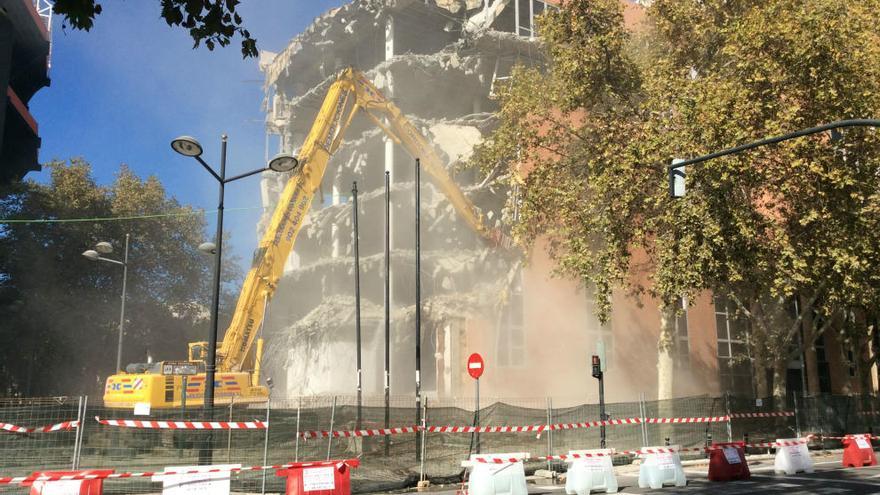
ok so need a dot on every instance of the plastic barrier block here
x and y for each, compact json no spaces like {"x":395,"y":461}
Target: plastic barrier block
{"x":858,"y":451}
{"x":213,"y":479}
{"x":661,"y":468}
{"x":586,"y":474}
{"x":727,"y":461}
{"x":507,"y":478}
{"x":78,"y":487}
{"x":319,"y":478}
{"x":792,"y":459}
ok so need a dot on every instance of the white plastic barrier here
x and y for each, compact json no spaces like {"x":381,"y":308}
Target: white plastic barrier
{"x":215,"y":483}
{"x":507,"y":478}
{"x":661,"y":466}
{"x":594,"y":471}
{"x":792,"y":457}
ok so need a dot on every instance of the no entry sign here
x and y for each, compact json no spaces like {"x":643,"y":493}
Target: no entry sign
{"x":475,"y":366}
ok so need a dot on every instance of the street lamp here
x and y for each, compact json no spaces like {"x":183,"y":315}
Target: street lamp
{"x":675,"y":171}
{"x":95,"y":255}
{"x":189,"y":146}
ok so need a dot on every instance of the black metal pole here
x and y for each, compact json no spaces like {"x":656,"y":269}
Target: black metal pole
{"x":387,"y":307}
{"x":777,"y":139}
{"x":418,"y":206}
{"x":477,"y":415}
{"x":602,"y":409}
{"x":206,"y":453}
{"x":357,"y":303}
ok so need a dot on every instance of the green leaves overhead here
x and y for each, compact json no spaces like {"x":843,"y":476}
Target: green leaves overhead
{"x":586,"y":141}
{"x":212,"y":22}
{"x":61,"y":311}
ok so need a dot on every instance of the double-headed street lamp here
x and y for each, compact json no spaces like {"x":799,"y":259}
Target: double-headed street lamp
{"x":188,"y":146}
{"x":95,"y":255}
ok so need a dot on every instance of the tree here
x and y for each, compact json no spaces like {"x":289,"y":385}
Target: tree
{"x":214,"y":22}
{"x":586,"y":143}
{"x":61,"y":311}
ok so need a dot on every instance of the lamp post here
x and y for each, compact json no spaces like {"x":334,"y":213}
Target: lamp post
{"x":95,"y":255}
{"x":188,"y":146}
{"x":675,"y":171}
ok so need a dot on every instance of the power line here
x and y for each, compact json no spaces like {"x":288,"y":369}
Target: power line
{"x":115,"y":219}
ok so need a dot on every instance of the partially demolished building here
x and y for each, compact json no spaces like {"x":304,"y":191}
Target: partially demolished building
{"x":441,"y":61}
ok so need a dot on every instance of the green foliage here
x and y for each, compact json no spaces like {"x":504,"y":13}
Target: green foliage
{"x":586,"y":143}
{"x":61,"y":311}
{"x":214,"y":22}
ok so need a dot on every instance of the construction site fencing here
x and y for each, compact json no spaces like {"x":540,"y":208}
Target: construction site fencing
{"x":300,"y":429}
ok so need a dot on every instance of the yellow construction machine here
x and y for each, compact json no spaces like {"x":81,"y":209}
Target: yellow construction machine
{"x":161,"y":385}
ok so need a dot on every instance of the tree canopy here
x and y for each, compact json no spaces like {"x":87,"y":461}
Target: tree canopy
{"x":212,"y":22}
{"x":585,"y":143}
{"x":61,"y":311}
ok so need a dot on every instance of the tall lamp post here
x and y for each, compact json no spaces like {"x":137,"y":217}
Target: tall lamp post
{"x":188,"y":146}
{"x":676,"y":171}
{"x":95,"y":255}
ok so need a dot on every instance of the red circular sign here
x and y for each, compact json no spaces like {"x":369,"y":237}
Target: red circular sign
{"x":475,"y":366}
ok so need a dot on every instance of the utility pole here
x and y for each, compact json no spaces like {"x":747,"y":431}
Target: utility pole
{"x":418,"y":204}
{"x":387,"y":307}
{"x":600,"y":375}
{"x":357,"y":303}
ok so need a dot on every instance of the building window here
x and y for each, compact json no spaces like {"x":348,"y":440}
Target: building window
{"x":510,"y":342}
{"x":822,"y":361}
{"x":682,"y":344}
{"x":732,"y":331}
{"x":734,"y":361}
{"x":525,"y":13}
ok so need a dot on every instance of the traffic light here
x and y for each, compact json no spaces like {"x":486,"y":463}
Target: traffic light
{"x":597,"y":367}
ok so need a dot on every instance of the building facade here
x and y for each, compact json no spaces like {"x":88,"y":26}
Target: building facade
{"x":440,"y":61}
{"x":25,"y":37}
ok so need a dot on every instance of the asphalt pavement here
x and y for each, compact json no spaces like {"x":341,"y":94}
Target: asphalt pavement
{"x":829,"y":478}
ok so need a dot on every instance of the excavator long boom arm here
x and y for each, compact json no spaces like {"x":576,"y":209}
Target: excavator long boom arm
{"x":350,"y":92}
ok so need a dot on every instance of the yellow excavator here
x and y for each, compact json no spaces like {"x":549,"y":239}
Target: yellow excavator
{"x":170,"y":384}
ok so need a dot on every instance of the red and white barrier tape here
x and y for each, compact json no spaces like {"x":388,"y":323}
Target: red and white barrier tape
{"x":150,"y":474}
{"x":762,"y":414}
{"x":359,"y":433}
{"x":707,"y":419}
{"x":849,"y":436}
{"x":486,"y":429}
{"x":184,"y":425}
{"x":65,"y":426}
{"x":593,"y":424}
{"x":506,"y":429}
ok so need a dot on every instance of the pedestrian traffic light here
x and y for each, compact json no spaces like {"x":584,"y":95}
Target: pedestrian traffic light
{"x":597,"y":367}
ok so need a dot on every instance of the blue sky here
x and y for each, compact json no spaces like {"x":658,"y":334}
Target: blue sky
{"x":122,"y":91}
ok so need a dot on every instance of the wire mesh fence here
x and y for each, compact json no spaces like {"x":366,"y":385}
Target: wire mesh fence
{"x":296,"y":429}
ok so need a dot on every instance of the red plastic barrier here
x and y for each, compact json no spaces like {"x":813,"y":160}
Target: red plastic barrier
{"x":319,"y":478}
{"x":85,"y":487}
{"x":857,"y":451}
{"x":727,"y":461}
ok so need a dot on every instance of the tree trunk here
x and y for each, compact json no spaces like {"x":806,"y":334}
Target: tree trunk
{"x":665,"y":359}
{"x":811,"y":362}
{"x":762,"y":389}
{"x":780,"y":370}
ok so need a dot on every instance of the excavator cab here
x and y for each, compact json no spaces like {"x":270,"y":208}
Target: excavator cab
{"x":198,"y":351}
